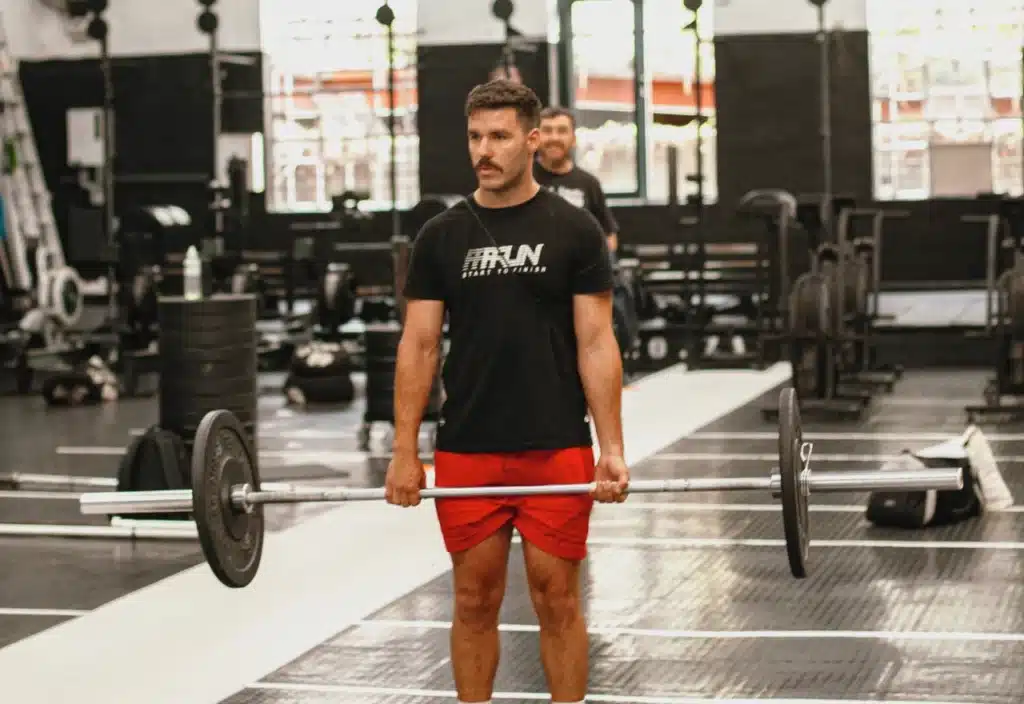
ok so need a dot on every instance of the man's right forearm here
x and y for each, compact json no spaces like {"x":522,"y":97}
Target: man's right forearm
{"x":415,"y":369}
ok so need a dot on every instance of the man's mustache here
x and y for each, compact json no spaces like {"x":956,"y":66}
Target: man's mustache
{"x":486,"y":164}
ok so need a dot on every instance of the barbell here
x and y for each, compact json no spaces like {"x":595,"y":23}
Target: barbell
{"x":226,"y":500}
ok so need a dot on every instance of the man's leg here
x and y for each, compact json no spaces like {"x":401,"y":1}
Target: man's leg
{"x":555,"y":590}
{"x":480,"y":574}
{"x":477,"y":532}
{"x":554,"y":530}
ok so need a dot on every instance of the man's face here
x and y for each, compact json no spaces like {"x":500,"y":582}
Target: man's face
{"x":500,"y":150}
{"x":557,"y":138}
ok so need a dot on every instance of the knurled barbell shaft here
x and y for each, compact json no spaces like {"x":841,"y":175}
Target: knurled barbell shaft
{"x":180,"y":501}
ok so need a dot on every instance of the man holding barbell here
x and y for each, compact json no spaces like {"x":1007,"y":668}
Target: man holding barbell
{"x":526,"y":281}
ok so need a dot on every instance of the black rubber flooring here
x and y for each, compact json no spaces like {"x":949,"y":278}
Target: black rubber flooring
{"x":693,"y":598}
{"x":688,"y":597}
{"x":44,"y":577}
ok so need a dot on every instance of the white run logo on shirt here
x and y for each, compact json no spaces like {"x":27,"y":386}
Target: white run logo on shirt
{"x":484,"y":261}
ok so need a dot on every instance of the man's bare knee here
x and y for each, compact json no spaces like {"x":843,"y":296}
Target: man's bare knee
{"x":554,"y":589}
{"x":477,"y":605}
{"x":557,"y":605}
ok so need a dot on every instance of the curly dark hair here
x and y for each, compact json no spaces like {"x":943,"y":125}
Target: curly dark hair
{"x":502,"y":93}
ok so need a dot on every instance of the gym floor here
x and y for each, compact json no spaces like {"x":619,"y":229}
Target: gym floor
{"x":689,"y":597}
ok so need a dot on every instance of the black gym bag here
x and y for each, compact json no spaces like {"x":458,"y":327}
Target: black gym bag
{"x":155,"y":461}
{"x":88,"y":383}
{"x":921,"y":509}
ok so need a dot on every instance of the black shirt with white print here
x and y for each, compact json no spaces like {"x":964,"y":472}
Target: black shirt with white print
{"x":507,"y":277}
{"x":582,"y":189}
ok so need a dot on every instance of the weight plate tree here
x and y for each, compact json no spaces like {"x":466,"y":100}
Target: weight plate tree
{"x":227,"y":500}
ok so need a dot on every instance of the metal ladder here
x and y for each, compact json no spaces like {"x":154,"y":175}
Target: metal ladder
{"x":31,"y":229}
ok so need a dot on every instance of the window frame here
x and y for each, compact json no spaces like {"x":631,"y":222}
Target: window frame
{"x":281,"y":72}
{"x":567,"y":82}
{"x":902,"y":50}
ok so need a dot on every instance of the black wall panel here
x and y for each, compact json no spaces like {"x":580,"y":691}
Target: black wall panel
{"x":446,"y":75}
{"x":163,"y":123}
{"x":769,"y":114}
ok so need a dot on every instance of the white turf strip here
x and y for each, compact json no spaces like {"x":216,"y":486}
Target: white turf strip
{"x":673,"y":634}
{"x":449,"y":695}
{"x":224,"y":640}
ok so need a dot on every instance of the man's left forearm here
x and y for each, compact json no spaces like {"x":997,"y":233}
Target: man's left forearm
{"x":600,"y":367}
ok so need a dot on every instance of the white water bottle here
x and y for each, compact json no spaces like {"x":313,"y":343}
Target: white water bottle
{"x":193,"y":275}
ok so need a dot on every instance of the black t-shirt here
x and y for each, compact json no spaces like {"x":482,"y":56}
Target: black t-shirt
{"x":510,"y":378}
{"x":582,"y":189}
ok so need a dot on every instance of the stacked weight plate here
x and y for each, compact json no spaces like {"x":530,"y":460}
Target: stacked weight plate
{"x":381,"y":352}
{"x":208,"y":361}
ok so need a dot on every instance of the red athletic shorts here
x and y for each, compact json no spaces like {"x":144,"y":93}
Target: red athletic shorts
{"x":556,"y":524}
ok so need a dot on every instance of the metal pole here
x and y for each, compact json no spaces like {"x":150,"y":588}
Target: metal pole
{"x":107,"y":177}
{"x":16,"y":480}
{"x":242,"y":497}
{"x":19,"y":479}
{"x":396,"y":223}
{"x":700,"y":234}
{"x":218,"y":103}
{"x":826,"y":120}
{"x":126,"y":532}
{"x":698,"y":80}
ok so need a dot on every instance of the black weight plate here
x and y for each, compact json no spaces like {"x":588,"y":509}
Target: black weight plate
{"x":865,"y":282}
{"x":218,"y":354}
{"x":226,"y":306}
{"x":795,"y":515}
{"x":232,"y":540}
{"x":239,"y":338}
{"x":196,"y":408}
{"x":858,"y":276}
{"x":810,"y":305}
{"x":177,"y":323}
{"x":188,"y":435}
{"x":219,"y":333}
{"x":1015,"y":302}
{"x":244,"y":367}
{"x":242,"y":400}
{"x":799,"y":307}
{"x":207,"y":387}
{"x":176,"y":418}
{"x":229,"y":393}
{"x":233,"y":354}
{"x":382,"y":340}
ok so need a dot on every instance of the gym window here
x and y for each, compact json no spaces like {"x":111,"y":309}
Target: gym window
{"x":946,"y":94}
{"x":326,"y":102}
{"x":627,"y":70}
